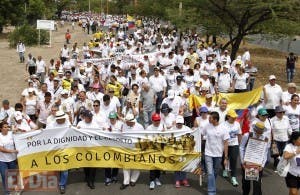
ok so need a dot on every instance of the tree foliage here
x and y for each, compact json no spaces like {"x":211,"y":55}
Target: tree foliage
{"x":12,"y":12}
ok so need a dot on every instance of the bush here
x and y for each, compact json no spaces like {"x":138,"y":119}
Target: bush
{"x":29,"y":35}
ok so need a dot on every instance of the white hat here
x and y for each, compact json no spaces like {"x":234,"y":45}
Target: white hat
{"x":18,"y":115}
{"x":271,"y":77}
{"x":60,"y":71}
{"x":210,"y":58}
{"x":208,"y":95}
{"x":171,"y":94}
{"x":130,"y":117}
{"x":65,"y":91}
{"x":60,"y":115}
{"x":204,"y":73}
{"x":226,"y":66}
{"x":30,"y":90}
{"x":179,"y":119}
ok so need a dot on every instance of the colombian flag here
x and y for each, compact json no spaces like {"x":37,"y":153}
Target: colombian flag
{"x":131,"y":22}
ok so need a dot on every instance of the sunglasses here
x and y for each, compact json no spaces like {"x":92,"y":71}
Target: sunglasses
{"x":95,"y":105}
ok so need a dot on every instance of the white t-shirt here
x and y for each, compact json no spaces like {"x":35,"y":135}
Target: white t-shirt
{"x":92,"y":124}
{"x":234,"y":130}
{"x":7,"y":142}
{"x":281,"y":128}
{"x":215,"y":137}
{"x":175,"y":104}
{"x":201,"y":124}
{"x":295,"y":161}
{"x":160,"y":127}
{"x":118,"y":127}
{"x":157,"y":83}
{"x":40,"y":66}
{"x":274,"y":94}
{"x":224,"y":81}
{"x":293,"y":115}
{"x":241,"y":81}
{"x":168,"y":120}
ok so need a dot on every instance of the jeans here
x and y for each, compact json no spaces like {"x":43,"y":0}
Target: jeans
{"x":41,"y":76}
{"x":159,"y":99}
{"x":147,"y":118}
{"x":4,"y":166}
{"x":280,"y":146}
{"x":180,"y":175}
{"x":290,"y":72}
{"x":63,"y":178}
{"x":22,"y":58}
{"x":154,"y":174}
{"x":212,"y":167}
{"x":251,"y":84}
{"x":246,"y":185}
{"x":111,"y":172}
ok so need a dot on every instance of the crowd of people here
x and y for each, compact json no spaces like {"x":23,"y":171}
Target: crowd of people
{"x":117,"y":94}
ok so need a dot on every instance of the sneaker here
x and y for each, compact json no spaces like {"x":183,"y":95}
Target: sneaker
{"x":157,"y":182}
{"x":177,"y":184}
{"x":225,"y":173}
{"x":107,"y":181}
{"x":114,"y":180}
{"x":124,"y":186}
{"x":152,"y":185}
{"x":234,"y":182}
{"x":186,"y":183}
{"x":62,"y":189}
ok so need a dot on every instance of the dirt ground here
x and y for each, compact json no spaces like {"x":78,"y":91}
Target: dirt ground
{"x":13,"y":75}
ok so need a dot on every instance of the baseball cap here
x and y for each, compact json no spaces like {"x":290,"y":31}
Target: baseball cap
{"x":155,"y":117}
{"x":203,"y":109}
{"x":171,"y":94}
{"x":87,"y":113}
{"x":179,"y":119}
{"x":271,"y":77}
{"x":291,"y":85}
{"x":232,"y":114}
{"x":112,"y":115}
{"x":259,"y":126}
{"x":262,"y":112}
{"x":129,"y":118}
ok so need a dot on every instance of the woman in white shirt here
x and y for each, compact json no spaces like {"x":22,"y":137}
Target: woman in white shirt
{"x":240,"y":81}
{"x":292,"y":153}
{"x":30,"y":103}
{"x":281,"y":129}
{"x":292,"y":111}
{"x":8,"y":153}
{"x":235,"y":134}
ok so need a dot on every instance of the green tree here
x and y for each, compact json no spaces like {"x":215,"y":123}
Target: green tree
{"x":12,"y":12}
{"x":36,"y":10}
{"x":240,"y":18}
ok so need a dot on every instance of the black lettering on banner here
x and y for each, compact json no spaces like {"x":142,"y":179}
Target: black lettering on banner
{"x":151,"y":158}
{"x":97,"y":157}
{"x":46,"y":159}
{"x":127,"y":158}
{"x":34,"y":164}
{"x":134,"y":158}
{"x":117,"y":156}
{"x":172,"y":159}
{"x":106,"y":156}
{"x":162,"y":159}
{"x":142,"y":158}
{"x":56,"y":159}
{"x":89,"y":156}
{"x":66,"y":159}
{"x":77,"y":156}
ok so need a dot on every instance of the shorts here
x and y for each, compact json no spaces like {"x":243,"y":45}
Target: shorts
{"x":292,"y":181}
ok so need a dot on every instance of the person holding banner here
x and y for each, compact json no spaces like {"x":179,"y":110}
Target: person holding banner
{"x":258,"y":133}
{"x":88,"y":122}
{"x":180,"y":176}
{"x":113,"y":125}
{"x":130,"y":176}
{"x":8,"y":153}
{"x":156,"y":125}
{"x":61,"y":121}
{"x":216,"y":144}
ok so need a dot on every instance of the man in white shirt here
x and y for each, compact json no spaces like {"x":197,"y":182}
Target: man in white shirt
{"x":130,"y":176}
{"x":224,"y":80}
{"x":175,"y":102}
{"x":41,"y":68}
{"x":159,"y":85}
{"x":286,"y":95}
{"x":272,"y":96}
{"x":216,"y":144}
{"x":21,"y":50}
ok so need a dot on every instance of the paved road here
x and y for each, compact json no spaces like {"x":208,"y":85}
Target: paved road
{"x":272,"y":185}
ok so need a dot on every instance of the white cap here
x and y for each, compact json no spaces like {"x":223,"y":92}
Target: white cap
{"x":30,"y":90}
{"x":210,"y":58}
{"x":60,"y":115}
{"x":179,"y":119}
{"x":18,"y":115}
{"x":130,"y":118}
{"x":65,"y":91}
{"x":204,"y":73}
{"x":271,"y":77}
{"x":226,"y":66}
{"x":171,"y":94}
